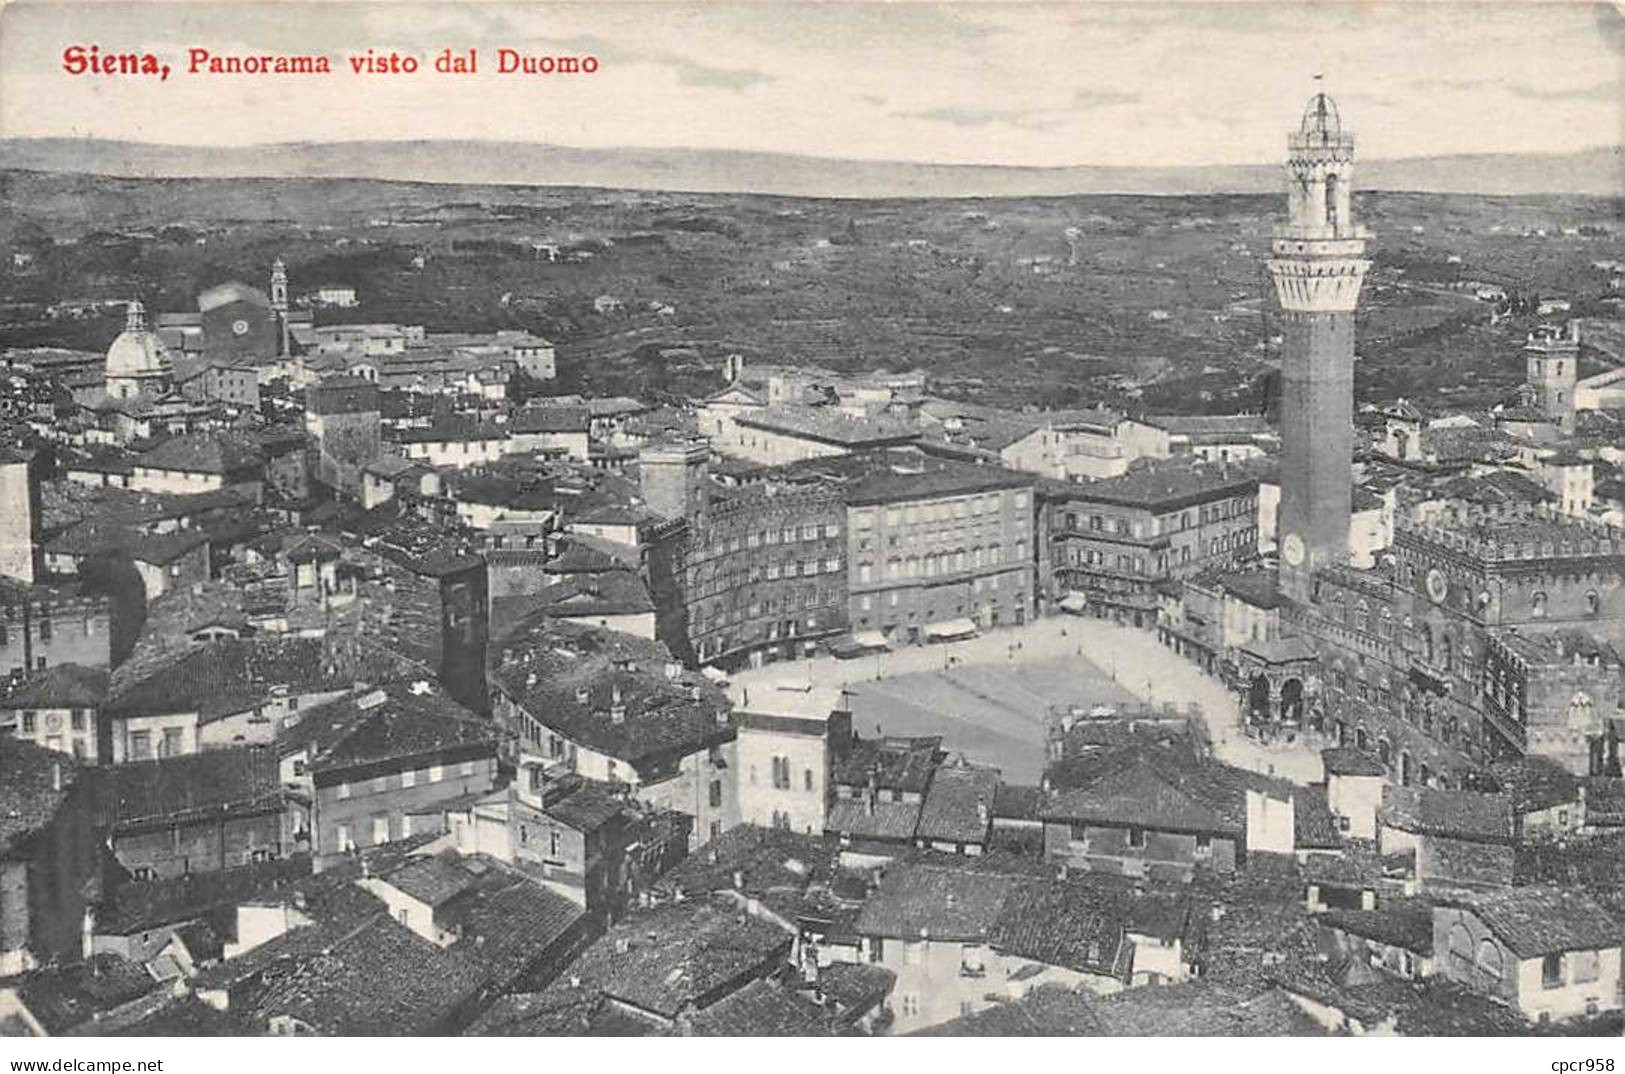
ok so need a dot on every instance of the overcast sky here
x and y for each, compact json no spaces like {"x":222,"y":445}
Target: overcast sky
{"x":1005,"y":83}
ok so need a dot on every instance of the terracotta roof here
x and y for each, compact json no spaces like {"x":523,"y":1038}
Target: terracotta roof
{"x":918,"y":902}
{"x":885,"y":820}
{"x":1046,"y":1011}
{"x":890,"y":763}
{"x":61,"y":998}
{"x":223,"y":678}
{"x":228,"y":292}
{"x":1406,"y":923}
{"x":1536,"y":921}
{"x":432,"y":879}
{"x":1347,"y":761}
{"x":1067,"y":925}
{"x":676,"y":958}
{"x":764,"y":859}
{"x":395,"y":722}
{"x":208,"y":453}
{"x":958,"y":806}
{"x":1462,"y":814}
{"x":1163,"y":787}
{"x":1536,"y":783}
{"x":60,"y":686}
{"x":550,"y":419}
{"x":215,"y":783}
{"x":762,"y":1009}
{"x":34,"y":782}
{"x":656,"y":719}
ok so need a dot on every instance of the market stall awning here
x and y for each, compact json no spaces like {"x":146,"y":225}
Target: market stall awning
{"x":950,"y":628}
{"x":1074,"y":602}
{"x":871,"y":639}
{"x":848,"y":646}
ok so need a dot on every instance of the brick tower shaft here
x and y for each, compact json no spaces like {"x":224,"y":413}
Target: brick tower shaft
{"x":1317,"y":267}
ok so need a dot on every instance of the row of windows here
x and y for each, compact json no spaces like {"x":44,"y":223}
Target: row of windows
{"x":783,"y":776}
{"x":936,"y":511}
{"x":988,"y":584}
{"x":78,"y":718}
{"x":1163,"y":524}
{"x":408,"y":778}
{"x":764,"y":537}
{"x":933,"y":564}
{"x":771,"y":572}
{"x":44,"y":630}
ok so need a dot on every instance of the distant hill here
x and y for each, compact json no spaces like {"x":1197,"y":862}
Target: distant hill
{"x":1599,"y":172}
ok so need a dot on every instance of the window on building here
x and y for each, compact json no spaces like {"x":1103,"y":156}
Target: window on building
{"x":408,"y":778}
{"x":807,"y":779}
{"x":1489,"y":960}
{"x":1586,"y":966}
{"x":171,"y":744}
{"x":1537,"y":604}
{"x":140,"y":745}
{"x":1551,"y":970}
{"x":1136,"y":838}
{"x":29,"y":723}
{"x":553,"y":843}
{"x":436,"y":773}
{"x":716,"y":794}
{"x":781,"y":773}
{"x":344,"y":790}
{"x":343,"y":839}
{"x":380,"y":829}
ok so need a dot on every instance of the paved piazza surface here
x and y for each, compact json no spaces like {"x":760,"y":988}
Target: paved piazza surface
{"x":990,"y":702}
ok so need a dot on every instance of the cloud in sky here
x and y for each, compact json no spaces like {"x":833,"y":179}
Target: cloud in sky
{"x":1002,"y":83}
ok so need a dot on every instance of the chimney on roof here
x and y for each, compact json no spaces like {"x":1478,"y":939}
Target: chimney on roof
{"x":56,"y":775}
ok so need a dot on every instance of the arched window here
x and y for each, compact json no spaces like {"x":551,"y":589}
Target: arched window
{"x":1537,"y":604}
{"x":1593,"y":602}
{"x":1580,"y":712}
{"x":1385,"y":752}
{"x":1461,"y":946}
{"x":1489,"y":960}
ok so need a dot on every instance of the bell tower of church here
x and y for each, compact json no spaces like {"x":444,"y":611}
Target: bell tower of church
{"x":1318,"y":266}
{"x":279,"y":303}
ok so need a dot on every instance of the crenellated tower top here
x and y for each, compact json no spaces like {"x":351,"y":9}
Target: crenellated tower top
{"x":1319,"y":250}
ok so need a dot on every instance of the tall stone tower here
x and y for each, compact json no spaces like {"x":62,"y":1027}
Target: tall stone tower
{"x":675,"y":479}
{"x":279,"y":304}
{"x":19,"y":516}
{"x":1551,"y":362}
{"x":1318,"y":266}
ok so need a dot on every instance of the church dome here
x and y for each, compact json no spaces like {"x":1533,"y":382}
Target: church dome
{"x":137,"y":352}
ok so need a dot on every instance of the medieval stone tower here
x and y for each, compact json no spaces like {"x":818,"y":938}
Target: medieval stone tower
{"x":675,"y":479}
{"x":1551,"y":364}
{"x":1318,"y":266}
